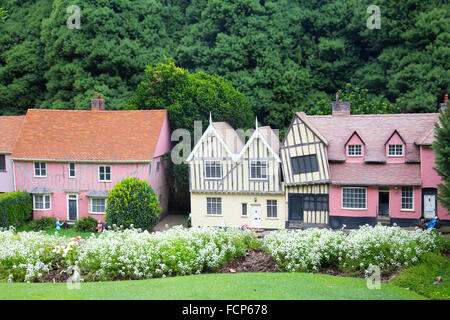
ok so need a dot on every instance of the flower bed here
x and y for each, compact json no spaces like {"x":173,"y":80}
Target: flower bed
{"x":128,"y":254}
{"x":386,"y":247}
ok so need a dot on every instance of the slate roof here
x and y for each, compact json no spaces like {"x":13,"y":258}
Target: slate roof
{"x":89,"y":135}
{"x":9,"y":130}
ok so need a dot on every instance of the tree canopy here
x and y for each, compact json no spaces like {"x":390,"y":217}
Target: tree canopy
{"x":284,"y":56}
{"x":441,"y":147}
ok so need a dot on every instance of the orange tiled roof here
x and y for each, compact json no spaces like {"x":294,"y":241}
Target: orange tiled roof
{"x":9,"y":130}
{"x":89,"y":135}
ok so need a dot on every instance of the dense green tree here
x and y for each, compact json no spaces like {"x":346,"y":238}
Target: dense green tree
{"x":441,"y":147}
{"x":190,"y":97}
{"x":3,"y":15}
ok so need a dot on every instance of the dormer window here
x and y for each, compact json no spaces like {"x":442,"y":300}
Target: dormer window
{"x":395,"y":150}
{"x":354,"y":150}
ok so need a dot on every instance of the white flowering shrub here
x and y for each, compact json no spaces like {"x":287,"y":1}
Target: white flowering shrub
{"x":308,"y":250}
{"x":26,"y":256}
{"x":386,"y":247}
{"x":131,"y":254}
{"x":127,"y":254}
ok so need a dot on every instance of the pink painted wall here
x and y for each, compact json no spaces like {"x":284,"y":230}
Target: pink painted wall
{"x":395,"y":204}
{"x":354,"y":140}
{"x":395,"y":139}
{"x":6,"y":177}
{"x":336,"y":203}
{"x":430,"y":178}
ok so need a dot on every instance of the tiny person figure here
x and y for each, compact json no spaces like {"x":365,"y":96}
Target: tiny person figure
{"x":58,"y":224}
{"x":99,"y":226}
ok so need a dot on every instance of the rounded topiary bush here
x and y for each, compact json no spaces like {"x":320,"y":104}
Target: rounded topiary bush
{"x":44,"y":223}
{"x":132,"y":202}
{"x":86,"y":224}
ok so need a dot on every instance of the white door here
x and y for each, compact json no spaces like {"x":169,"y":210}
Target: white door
{"x":255,"y":217}
{"x":429,"y":206}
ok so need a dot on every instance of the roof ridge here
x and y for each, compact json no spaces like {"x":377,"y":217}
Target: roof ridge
{"x":374,"y":115}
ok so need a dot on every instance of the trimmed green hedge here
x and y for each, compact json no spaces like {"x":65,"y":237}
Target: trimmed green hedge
{"x":15,"y":208}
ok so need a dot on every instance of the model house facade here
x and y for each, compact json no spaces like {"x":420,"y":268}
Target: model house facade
{"x":333,"y":171}
{"x":233,"y":183}
{"x":70,"y":159}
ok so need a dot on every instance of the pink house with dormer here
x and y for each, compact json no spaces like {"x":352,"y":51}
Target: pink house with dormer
{"x":70,"y":159}
{"x":343,"y":169}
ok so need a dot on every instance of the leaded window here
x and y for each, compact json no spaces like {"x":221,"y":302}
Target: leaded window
{"x":407,"y":198}
{"x":214,"y":206}
{"x":354,"y":198}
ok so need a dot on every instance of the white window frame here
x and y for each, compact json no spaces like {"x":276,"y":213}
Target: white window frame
{"x":342,"y":199}
{"x":217,"y":202}
{"x":40,"y":169}
{"x":110,"y":173}
{"x":263,"y":163}
{"x":401,"y":200}
{"x":212,"y":178}
{"x":273,"y":204}
{"x":395,"y":150}
{"x":354,"y":145}
{"x":43,"y":195}
{"x":91,"y":205}
{"x":74,"y":170}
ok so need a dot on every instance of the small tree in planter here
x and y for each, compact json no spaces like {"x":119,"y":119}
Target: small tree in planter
{"x":132,"y":202}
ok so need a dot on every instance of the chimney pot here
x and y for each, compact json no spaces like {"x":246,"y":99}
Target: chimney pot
{"x":98,"y":104}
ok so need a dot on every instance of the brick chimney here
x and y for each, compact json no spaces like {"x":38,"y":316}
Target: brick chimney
{"x":444,"y":105}
{"x":98,"y":104}
{"x":340,"y":108}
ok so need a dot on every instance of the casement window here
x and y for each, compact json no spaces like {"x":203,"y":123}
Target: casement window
{"x":258,"y":169}
{"x":305,"y":164}
{"x":42,"y":202}
{"x":213,"y":170}
{"x":214,"y":206}
{"x":244,"y":209}
{"x":272,"y":209}
{"x":354,"y":150}
{"x":309,"y":202}
{"x":104,"y":173}
{"x":407,"y":198}
{"x":72,"y":171}
{"x":395,"y":150}
{"x":354,"y":198}
{"x":322,"y":202}
{"x":97,"y":205}
{"x":2,"y":162}
{"x":40,"y":169}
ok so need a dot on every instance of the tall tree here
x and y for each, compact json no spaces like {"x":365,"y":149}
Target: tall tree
{"x":441,"y":147}
{"x":190,"y":97}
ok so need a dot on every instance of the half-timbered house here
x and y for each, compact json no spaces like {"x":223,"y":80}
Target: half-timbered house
{"x":236,"y":184}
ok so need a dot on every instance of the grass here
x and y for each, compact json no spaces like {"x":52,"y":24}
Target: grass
{"x":421,"y":276}
{"x":239,"y":286}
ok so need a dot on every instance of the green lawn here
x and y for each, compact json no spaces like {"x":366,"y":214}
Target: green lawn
{"x":68,"y":233}
{"x":239,"y":286}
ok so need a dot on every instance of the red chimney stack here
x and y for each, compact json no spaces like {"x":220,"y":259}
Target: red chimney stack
{"x":98,"y":104}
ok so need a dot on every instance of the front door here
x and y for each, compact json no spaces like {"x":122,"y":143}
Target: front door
{"x":295,"y":204}
{"x":383,"y":202}
{"x":429,"y":203}
{"x":72,"y":207}
{"x":255,"y":217}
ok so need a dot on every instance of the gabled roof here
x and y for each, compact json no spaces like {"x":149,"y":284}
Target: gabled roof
{"x":268,"y":137}
{"x":9,"y":131}
{"x":351,"y":136}
{"x":86,"y":135}
{"x":305,"y":118}
{"x":226,"y":135}
{"x":375,"y":130}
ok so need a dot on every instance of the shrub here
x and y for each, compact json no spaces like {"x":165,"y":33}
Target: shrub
{"x":86,"y":224}
{"x":43,"y":223}
{"x":132,"y":202}
{"x":15,"y":208}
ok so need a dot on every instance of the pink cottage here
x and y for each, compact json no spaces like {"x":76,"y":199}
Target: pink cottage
{"x":70,"y":159}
